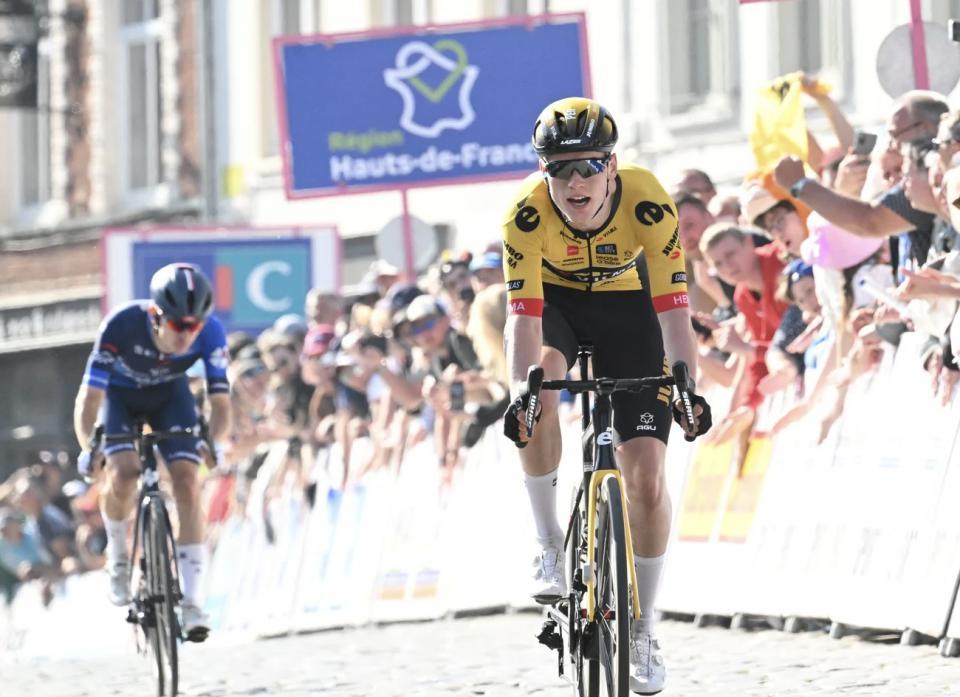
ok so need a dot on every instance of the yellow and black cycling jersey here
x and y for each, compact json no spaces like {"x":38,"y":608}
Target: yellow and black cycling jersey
{"x":539,"y":247}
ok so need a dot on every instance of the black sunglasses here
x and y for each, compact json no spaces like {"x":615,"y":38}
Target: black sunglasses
{"x":586,"y":168}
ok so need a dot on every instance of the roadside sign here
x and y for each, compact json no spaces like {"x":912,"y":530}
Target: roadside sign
{"x":257,"y":274}
{"x":421,"y":106}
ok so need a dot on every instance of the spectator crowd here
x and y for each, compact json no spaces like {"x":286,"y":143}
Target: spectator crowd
{"x":802,"y":277}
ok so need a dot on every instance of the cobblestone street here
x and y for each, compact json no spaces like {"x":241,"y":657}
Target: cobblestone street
{"x":498,"y":655}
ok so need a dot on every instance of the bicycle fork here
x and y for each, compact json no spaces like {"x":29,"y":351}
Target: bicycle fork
{"x":589,"y":570}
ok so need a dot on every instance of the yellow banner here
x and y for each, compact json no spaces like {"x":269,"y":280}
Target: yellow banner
{"x":745,"y":492}
{"x":700,"y":506}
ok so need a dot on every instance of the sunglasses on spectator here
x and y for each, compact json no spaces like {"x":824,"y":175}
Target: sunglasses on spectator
{"x":423,"y":325}
{"x":183,"y":325}
{"x":895,"y":135}
{"x":253,"y":371}
{"x":919,"y":152}
{"x":775,"y":218}
{"x":586,"y":168}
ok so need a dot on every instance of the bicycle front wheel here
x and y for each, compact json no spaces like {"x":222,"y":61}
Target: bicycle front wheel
{"x":612,"y":588}
{"x":159,"y":551}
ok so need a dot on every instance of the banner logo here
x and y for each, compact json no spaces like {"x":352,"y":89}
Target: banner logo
{"x":406,"y":77}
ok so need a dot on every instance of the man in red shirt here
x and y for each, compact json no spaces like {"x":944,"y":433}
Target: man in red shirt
{"x":755,"y":274}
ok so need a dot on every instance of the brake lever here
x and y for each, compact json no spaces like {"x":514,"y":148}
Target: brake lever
{"x":534,"y":383}
{"x":681,"y":378}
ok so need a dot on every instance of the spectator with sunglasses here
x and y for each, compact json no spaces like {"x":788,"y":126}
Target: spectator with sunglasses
{"x":778,"y":217}
{"x":572,"y":237}
{"x":137,"y":370}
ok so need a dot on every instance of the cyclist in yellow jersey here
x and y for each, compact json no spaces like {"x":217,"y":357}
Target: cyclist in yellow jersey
{"x":592,"y":254}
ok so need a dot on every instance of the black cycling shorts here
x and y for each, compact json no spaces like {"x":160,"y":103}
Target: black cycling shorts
{"x":627,"y":343}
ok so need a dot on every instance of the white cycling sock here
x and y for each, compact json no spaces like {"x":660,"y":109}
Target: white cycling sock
{"x":116,"y":539}
{"x":190,"y":559}
{"x":648,"y":579}
{"x":542,"y":490}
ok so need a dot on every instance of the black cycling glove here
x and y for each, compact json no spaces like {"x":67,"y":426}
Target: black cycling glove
{"x":704,"y":420}
{"x":511,"y":424}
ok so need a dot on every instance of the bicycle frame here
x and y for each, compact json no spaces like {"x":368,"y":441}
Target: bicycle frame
{"x":150,"y":485}
{"x":597,"y":466}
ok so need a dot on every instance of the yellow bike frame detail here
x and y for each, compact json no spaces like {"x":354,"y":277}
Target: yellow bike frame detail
{"x":596,"y":481}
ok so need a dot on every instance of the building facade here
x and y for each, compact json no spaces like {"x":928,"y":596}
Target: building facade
{"x":165,"y":111}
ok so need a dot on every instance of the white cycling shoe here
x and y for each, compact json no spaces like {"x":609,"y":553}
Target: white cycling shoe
{"x":647,"y":670}
{"x":549,"y":584}
{"x":194,"y":623}
{"x":119,"y":572}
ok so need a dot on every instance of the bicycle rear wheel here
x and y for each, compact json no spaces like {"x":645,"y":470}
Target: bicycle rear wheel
{"x":165,"y":631}
{"x":612,"y":591}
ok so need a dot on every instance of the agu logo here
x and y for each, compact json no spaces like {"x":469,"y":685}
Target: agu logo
{"x":256,"y":284}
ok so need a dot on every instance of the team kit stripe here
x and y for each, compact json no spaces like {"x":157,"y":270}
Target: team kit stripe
{"x":526,"y":306}
{"x":671,"y":301}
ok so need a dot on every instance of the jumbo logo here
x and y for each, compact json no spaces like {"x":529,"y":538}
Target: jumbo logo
{"x":258,"y":283}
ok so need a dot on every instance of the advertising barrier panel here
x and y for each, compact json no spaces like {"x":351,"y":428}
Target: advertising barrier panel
{"x":822,"y":531}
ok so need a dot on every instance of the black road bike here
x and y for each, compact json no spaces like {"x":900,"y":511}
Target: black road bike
{"x":590,"y":627}
{"x":157,"y":595}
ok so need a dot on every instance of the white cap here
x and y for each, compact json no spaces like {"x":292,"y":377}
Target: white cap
{"x":424,"y":306}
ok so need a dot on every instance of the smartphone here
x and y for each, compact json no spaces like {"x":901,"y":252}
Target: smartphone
{"x":864,"y":142}
{"x":456,"y":395}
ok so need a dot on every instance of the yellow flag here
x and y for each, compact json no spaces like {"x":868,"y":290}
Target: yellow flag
{"x":779,"y":124}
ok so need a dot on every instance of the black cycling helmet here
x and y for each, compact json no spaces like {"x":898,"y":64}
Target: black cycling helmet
{"x":182,"y":292}
{"x":574,"y":124}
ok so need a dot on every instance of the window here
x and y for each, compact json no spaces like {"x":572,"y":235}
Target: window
{"x":698,"y":55}
{"x":34,"y":137}
{"x":942,"y":10}
{"x":277,"y":18}
{"x":140,"y":37}
{"x":515,"y":7}
{"x":402,"y":12}
{"x":813,"y":37}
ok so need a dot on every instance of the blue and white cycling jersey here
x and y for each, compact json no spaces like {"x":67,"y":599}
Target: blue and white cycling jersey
{"x":126,"y":356}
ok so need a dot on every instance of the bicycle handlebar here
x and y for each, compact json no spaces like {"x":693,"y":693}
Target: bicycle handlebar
{"x":680,"y":378}
{"x":98,"y":439}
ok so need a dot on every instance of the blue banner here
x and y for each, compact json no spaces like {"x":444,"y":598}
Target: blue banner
{"x":415,"y":108}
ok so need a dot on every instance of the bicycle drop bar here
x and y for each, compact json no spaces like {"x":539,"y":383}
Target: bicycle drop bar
{"x":680,"y":378}
{"x":99,"y":439}
{"x":534,"y":383}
